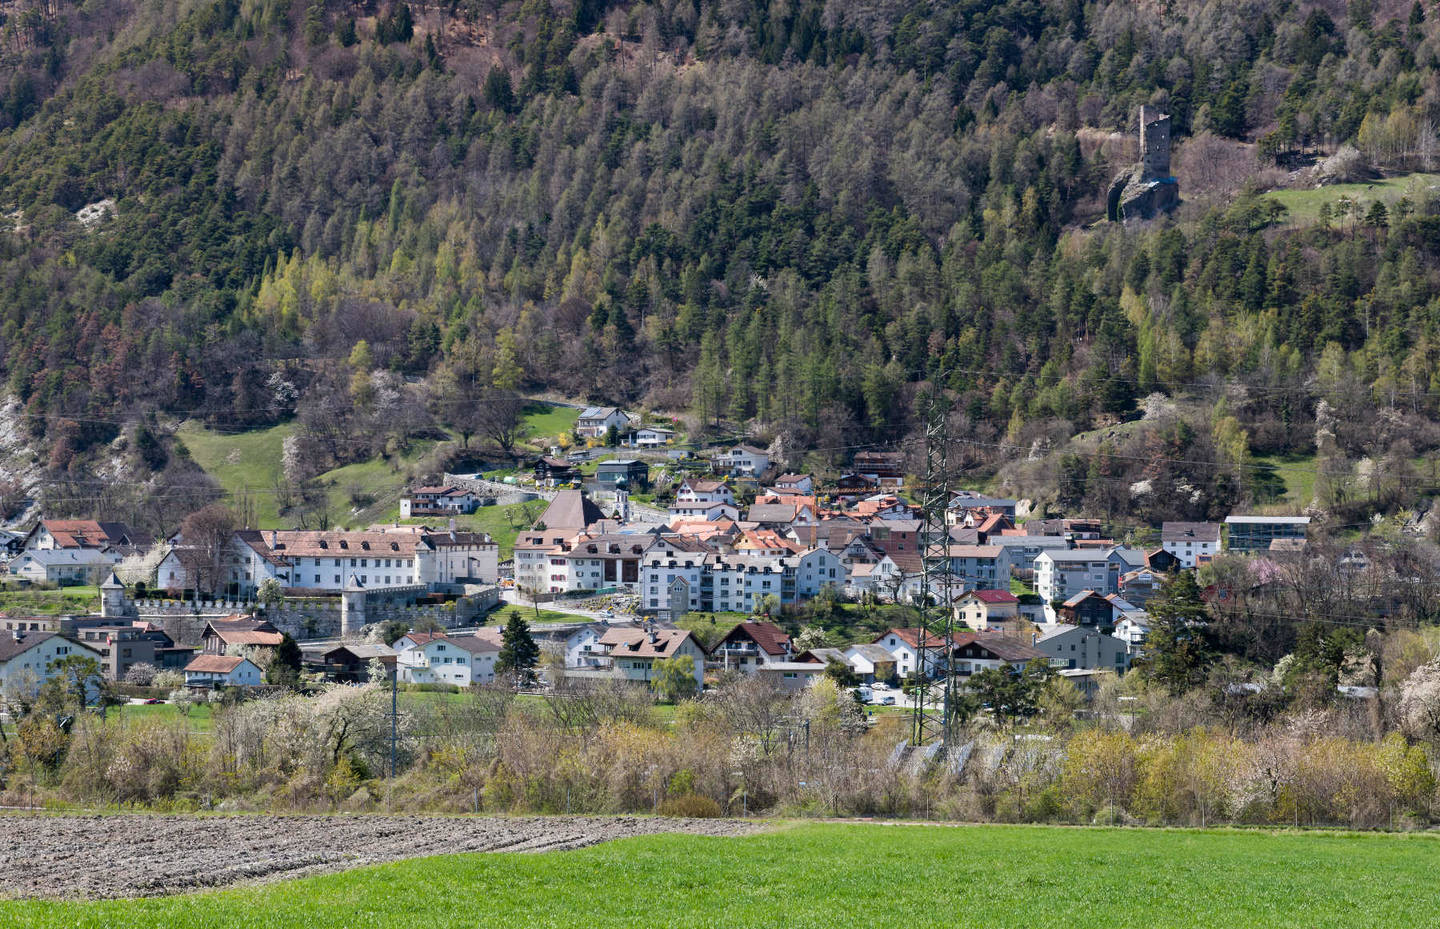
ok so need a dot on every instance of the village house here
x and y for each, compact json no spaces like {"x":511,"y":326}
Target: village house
{"x":213,"y":671}
{"x":978,"y":566}
{"x":595,"y":421}
{"x":790,"y":676}
{"x":437,"y":658}
{"x":74,"y":534}
{"x":29,"y":655}
{"x":871,"y":662}
{"x":886,"y":470}
{"x":651,"y":437}
{"x":350,"y":663}
{"x":794,"y":484}
{"x":973,"y":652}
{"x":633,"y":652}
{"x":1249,"y":534}
{"x":971,"y":508}
{"x":223,"y":636}
{"x":1194,"y":544}
{"x":1024,"y":549}
{"x":64,"y":566}
{"x":983,"y":609}
{"x":438,"y":501}
{"x":903,"y":646}
{"x":1088,"y":608}
{"x":629,"y":473}
{"x":742,"y":460}
{"x":750,"y":644}
{"x":1076,"y":647}
{"x":555,"y":472}
{"x":1061,"y":574}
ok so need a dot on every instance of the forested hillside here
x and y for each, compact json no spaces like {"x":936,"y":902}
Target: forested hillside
{"x":777,"y":216}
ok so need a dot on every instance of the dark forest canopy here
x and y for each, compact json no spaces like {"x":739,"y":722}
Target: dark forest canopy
{"x":784,"y":214}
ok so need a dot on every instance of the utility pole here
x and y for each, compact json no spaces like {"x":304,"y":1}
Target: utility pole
{"x":932,"y":718}
{"x":394,"y":705}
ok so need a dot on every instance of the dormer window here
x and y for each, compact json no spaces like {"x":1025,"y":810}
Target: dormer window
{"x":344,"y":544}
{"x":323,"y":544}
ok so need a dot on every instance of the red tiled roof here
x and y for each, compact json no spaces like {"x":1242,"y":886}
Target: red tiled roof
{"x":771,"y":638}
{"x":214,"y":664}
{"x":994,"y":596}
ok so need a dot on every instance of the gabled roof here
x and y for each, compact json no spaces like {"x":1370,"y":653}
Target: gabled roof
{"x":215,"y":664}
{"x":363,"y":651}
{"x":994,"y":596}
{"x":1189,"y":532}
{"x":638,"y":643}
{"x":1008,"y":649}
{"x":483,"y":640}
{"x":242,"y":631}
{"x":570,"y":509}
{"x":10,"y":646}
{"x":1081,"y":597}
{"x":598,"y":412}
{"x":823,"y":655}
{"x":87,"y":533}
{"x":772,"y":513}
{"x":278,"y":546}
{"x":769,"y":637}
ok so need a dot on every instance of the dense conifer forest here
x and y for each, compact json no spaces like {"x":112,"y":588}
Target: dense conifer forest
{"x":771,"y":217}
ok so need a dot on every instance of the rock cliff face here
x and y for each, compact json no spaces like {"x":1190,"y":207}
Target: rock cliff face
{"x":1146,"y":189}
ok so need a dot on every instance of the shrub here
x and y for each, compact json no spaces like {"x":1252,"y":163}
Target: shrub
{"x":691,"y":805}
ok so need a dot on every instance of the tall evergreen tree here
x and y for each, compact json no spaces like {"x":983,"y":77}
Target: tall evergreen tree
{"x":518,"y":652}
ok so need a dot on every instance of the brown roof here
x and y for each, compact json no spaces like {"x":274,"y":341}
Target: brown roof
{"x":704,"y":487}
{"x":570,"y":509}
{"x":300,"y":543}
{"x":771,"y":638}
{"x":1008,"y":649}
{"x":637,"y":643}
{"x":994,"y":596}
{"x":235,"y":631}
{"x":214,"y":664}
{"x":86,"y":533}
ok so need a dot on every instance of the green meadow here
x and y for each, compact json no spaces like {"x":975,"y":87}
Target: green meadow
{"x":842,"y":875}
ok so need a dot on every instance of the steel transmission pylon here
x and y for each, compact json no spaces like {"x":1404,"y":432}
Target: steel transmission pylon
{"x":933,"y":715}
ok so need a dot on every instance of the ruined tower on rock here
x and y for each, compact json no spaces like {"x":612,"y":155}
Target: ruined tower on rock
{"x":1147,"y":188}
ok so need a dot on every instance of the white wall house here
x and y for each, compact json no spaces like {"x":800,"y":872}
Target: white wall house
{"x":436,"y":658}
{"x":633,"y":652}
{"x":64,"y":565}
{"x":743,"y":459}
{"x":595,"y":421}
{"x":1060,"y":575}
{"x":1193,"y":543}
{"x":652,"y":437}
{"x":980,"y":567}
{"x":223,"y":671}
{"x":23,"y":654}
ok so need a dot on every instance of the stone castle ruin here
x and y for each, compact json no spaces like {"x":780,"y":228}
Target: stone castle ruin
{"x":1146,"y":189}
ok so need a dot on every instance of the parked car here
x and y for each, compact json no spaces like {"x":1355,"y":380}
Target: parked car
{"x":886,"y":699}
{"x":879,"y":685}
{"x":865,"y":694}
{"x":154,"y":700}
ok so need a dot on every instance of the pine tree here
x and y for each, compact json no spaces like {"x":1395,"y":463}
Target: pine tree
{"x":518,"y":652}
{"x":1179,"y":647}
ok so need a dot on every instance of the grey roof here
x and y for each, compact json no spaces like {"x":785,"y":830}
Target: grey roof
{"x":872,"y":653}
{"x":364,"y":651}
{"x":771,"y":513}
{"x":10,"y":646}
{"x":1189,"y":532}
{"x":1077,"y":554}
{"x":1267,"y":520}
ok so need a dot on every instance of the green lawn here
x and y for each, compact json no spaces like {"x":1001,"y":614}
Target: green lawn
{"x":503,"y":522}
{"x":1295,"y":472}
{"x":546,"y":420}
{"x":1303,"y":206}
{"x":51,"y":602}
{"x":835,"y":875}
{"x":199,"y":719}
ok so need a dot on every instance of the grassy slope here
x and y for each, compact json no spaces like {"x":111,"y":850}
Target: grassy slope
{"x":545,"y":421}
{"x":495,"y":520}
{"x":251,"y":460}
{"x":843,"y":875}
{"x":1303,"y":206}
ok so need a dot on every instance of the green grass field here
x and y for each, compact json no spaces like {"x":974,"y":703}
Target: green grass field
{"x":833,"y":875}
{"x":51,"y":602}
{"x":1303,"y":206}
{"x":503,"y":522}
{"x":251,"y":461}
{"x":131,"y":714}
{"x":546,"y":421}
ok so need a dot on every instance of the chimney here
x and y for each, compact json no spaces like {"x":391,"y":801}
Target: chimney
{"x":18,"y":634}
{"x":452,"y":527}
{"x":274,"y":538}
{"x":1034,"y":637}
